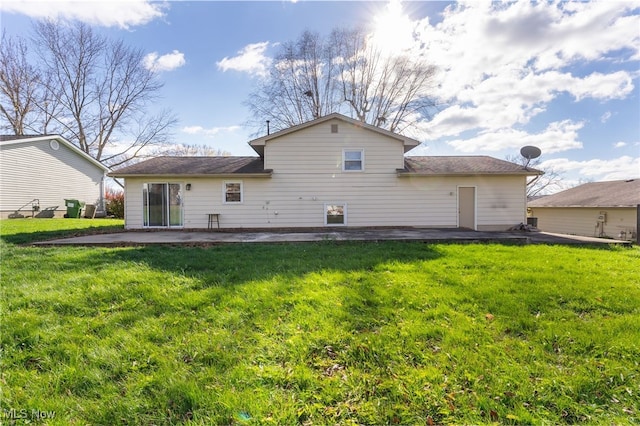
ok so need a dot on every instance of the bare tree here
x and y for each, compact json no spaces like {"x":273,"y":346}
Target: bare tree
{"x":345,"y":73}
{"x":548,"y":182}
{"x":301,"y":85}
{"x":381,"y":89}
{"x":104,"y":90}
{"x":92,"y":90}
{"x":194,"y":150}
{"x":18,"y":85}
{"x":49,"y":105}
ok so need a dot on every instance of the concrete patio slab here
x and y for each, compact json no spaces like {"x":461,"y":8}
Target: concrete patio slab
{"x":404,"y":234}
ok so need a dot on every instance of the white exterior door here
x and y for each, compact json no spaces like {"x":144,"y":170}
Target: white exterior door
{"x":467,"y":207}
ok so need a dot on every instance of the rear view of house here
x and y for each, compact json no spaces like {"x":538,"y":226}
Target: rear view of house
{"x":330,"y":172}
{"x":37,"y":174}
{"x":596,"y":209}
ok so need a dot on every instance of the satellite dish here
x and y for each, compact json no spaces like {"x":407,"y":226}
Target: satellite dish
{"x":530,"y":152}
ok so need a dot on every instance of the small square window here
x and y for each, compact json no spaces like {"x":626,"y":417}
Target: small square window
{"x":233,"y":192}
{"x":335,"y":214}
{"x":334,"y":128}
{"x":353,"y":160}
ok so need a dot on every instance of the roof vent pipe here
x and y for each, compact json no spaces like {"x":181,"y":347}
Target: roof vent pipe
{"x":268,"y":131}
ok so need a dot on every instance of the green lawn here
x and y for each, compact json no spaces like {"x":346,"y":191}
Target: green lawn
{"x":23,"y":231}
{"x":317,"y":333}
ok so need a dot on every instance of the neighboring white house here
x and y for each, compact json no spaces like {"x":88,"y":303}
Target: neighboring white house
{"x":37,"y":174}
{"x":333,"y":171}
{"x":596,"y":209}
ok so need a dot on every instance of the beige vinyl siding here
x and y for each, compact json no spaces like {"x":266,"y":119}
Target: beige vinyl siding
{"x":317,"y":150}
{"x":584,"y":220}
{"x":35,"y":170}
{"x":298,"y":200}
{"x":205,"y":197}
{"x":307,"y":175}
{"x":133,"y":203}
{"x":501,"y":202}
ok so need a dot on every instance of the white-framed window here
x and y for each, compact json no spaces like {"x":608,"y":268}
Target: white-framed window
{"x":353,"y":160}
{"x":232,"y":192}
{"x":335,"y":214}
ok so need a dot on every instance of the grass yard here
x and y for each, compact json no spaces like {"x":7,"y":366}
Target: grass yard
{"x":316,"y":333}
{"x":24,"y":231}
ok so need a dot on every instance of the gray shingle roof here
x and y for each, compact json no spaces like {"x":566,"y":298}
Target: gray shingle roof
{"x":204,"y":166}
{"x":463,"y":165}
{"x":194,"y":166}
{"x":617,"y":193}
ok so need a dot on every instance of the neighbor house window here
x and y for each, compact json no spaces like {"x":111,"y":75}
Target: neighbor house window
{"x":233,"y":192}
{"x":335,"y":214}
{"x":353,"y":160}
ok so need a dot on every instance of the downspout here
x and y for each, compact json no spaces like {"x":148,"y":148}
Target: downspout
{"x":103,"y":205}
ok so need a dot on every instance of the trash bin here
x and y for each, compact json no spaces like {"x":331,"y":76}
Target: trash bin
{"x":90,"y":211}
{"x":532,"y":221}
{"x":73,"y":208}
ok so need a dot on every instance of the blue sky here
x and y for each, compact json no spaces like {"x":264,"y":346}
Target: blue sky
{"x":563,"y":76}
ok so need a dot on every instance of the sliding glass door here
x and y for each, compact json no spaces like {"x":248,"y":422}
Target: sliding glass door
{"x":162,"y":204}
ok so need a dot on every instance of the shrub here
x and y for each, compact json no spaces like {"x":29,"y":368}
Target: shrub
{"x":115,"y":203}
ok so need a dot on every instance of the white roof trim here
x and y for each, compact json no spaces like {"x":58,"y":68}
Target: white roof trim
{"x":261,"y":141}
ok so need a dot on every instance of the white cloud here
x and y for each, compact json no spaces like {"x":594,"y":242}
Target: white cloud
{"x":451,"y":122}
{"x":112,"y":13}
{"x":540,"y":35}
{"x":213,"y":131}
{"x":590,"y":30}
{"x":250,"y":59}
{"x":558,"y":136}
{"x":616,"y":85}
{"x":625,"y":167}
{"x":167,"y":62}
{"x":193,"y":130}
{"x":509,"y":98}
{"x":619,"y":144}
{"x":606,"y":116}
{"x":503,"y":63}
